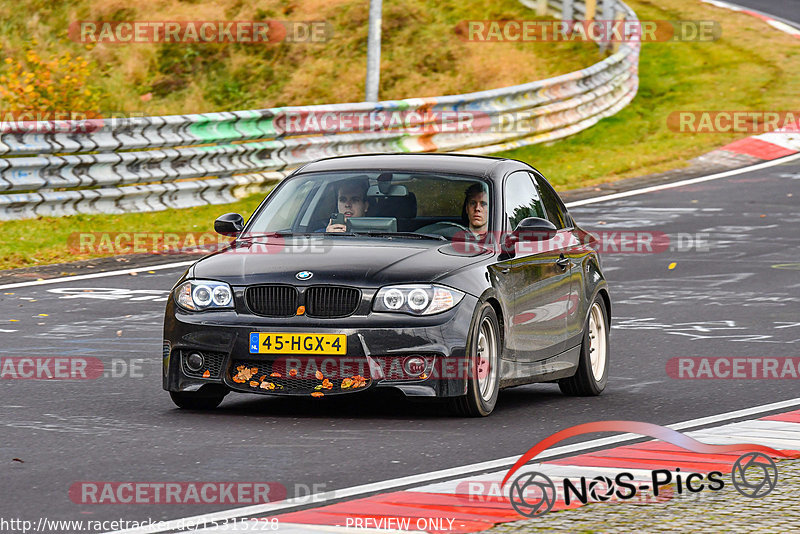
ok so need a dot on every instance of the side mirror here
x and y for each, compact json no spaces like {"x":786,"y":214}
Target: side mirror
{"x":230,"y":224}
{"x":534,"y":229}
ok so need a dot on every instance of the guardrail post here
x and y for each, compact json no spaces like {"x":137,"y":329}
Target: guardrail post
{"x":618,"y":18}
{"x":541,"y":7}
{"x":607,"y":9}
{"x":373,"y":51}
{"x":591,"y":9}
{"x":567,"y":12}
{"x":606,"y":15}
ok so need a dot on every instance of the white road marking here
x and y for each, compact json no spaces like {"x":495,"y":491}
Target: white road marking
{"x":378,"y":487}
{"x":681,"y":183}
{"x":97,"y":275}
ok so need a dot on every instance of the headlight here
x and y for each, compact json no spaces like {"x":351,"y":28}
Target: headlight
{"x":197,"y":295}
{"x":416,"y":299}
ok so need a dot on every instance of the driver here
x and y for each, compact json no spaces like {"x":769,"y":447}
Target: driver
{"x":476,"y":209}
{"x":351,"y":200}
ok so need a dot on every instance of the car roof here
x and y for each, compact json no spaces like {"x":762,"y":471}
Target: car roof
{"x":466,"y":164}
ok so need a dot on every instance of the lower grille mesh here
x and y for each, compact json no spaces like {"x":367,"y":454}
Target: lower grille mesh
{"x":304,"y":383}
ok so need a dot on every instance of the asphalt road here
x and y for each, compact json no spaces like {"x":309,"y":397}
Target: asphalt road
{"x":737,"y":295}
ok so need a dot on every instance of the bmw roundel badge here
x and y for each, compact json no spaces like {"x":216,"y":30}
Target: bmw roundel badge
{"x":304,"y":275}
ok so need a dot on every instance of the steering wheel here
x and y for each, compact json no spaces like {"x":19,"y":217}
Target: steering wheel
{"x":447,"y":229}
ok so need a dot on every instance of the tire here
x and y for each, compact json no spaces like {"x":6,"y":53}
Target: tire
{"x":483,"y":382}
{"x":197,"y":400}
{"x":592,"y":375}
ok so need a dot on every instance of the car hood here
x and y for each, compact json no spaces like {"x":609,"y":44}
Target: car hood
{"x":362,"y":262}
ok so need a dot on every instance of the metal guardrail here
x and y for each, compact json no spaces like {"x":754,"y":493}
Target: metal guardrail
{"x":179,"y":161}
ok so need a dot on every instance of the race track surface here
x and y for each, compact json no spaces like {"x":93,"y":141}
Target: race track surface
{"x":737,"y":294}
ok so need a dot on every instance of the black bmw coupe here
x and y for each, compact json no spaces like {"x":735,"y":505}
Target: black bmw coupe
{"x":440,"y":275}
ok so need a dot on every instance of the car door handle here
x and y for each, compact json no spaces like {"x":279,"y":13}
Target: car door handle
{"x":563,"y":262}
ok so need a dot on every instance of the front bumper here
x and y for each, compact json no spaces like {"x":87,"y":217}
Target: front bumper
{"x":378,"y":344}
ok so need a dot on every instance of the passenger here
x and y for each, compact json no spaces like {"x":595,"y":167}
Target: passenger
{"x":351,"y":199}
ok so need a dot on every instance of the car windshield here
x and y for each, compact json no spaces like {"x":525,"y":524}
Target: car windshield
{"x":380,"y":204}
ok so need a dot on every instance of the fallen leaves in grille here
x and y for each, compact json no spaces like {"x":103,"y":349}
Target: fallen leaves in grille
{"x":355,"y":382}
{"x":244,"y":374}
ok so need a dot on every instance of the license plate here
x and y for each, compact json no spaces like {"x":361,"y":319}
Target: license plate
{"x":261,"y":342}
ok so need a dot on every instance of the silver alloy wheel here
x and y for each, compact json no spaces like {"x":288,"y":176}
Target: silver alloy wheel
{"x":598,"y":355}
{"x":487,"y":359}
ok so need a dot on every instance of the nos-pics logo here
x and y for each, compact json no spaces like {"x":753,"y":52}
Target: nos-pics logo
{"x":754,"y":474}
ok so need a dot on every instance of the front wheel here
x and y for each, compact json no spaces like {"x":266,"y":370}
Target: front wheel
{"x":483,"y":351}
{"x":198,"y":400}
{"x":592,"y":374}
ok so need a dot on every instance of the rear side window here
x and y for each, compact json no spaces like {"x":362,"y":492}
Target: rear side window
{"x":556,"y":211}
{"x":522,"y":199}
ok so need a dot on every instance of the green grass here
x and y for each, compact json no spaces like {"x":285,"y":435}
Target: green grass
{"x":46,"y":240}
{"x":753,"y":67}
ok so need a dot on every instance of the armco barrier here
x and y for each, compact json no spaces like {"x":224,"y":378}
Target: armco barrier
{"x":154,"y":163}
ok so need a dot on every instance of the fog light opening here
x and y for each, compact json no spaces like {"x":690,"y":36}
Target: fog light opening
{"x":414,"y":365}
{"x":195,"y":361}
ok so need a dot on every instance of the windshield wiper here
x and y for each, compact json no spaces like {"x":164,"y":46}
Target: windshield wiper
{"x":281,"y":233}
{"x":265,"y":234}
{"x":412,"y":235}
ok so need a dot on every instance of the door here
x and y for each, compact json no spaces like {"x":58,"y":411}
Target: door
{"x":539,"y":275}
{"x":573,"y":250}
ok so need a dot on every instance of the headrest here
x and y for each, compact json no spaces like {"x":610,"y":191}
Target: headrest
{"x":401,"y":207}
